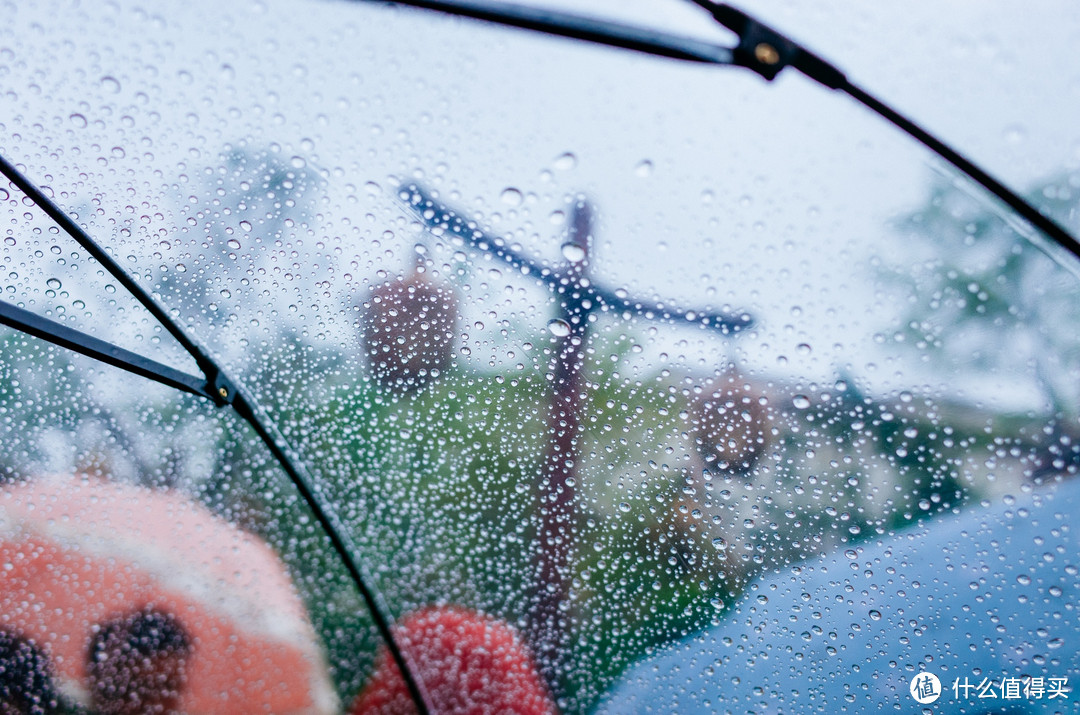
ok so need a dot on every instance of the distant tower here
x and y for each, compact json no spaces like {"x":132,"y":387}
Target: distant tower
{"x":409,"y":330}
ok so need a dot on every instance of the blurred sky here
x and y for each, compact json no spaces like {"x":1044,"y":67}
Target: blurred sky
{"x":714,"y":189}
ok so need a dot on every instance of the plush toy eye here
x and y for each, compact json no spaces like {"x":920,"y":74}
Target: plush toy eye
{"x":25,"y":677}
{"x":137,"y":663}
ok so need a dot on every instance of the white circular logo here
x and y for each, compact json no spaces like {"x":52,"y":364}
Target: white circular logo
{"x":925,"y":688}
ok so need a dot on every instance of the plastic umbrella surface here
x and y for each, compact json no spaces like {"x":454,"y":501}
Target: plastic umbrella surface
{"x":964,"y":597}
{"x":589,"y":329}
{"x":81,"y":552}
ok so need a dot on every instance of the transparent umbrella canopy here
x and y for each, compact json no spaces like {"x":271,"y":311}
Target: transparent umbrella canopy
{"x":573,"y":338}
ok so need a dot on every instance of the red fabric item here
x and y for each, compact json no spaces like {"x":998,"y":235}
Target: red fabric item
{"x":470,"y":664}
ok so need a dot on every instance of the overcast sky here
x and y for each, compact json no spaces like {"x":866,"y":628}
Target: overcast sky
{"x":713,"y":188}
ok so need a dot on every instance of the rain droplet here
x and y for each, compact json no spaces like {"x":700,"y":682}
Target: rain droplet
{"x":110,"y":84}
{"x":298,"y":162}
{"x":644,"y":168}
{"x":565,"y":162}
{"x":246,"y":225}
{"x":573,"y":252}
{"x":511,"y":196}
{"x":53,"y":283}
{"x":801,"y":402}
{"x":1023,"y":579}
{"x":875,"y":615}
{"x":851,"y":554}
{"x":559,"y":328}
{"x":1015,"y":133}
{"x":233,"y":243}
{"x":78,"y":120}
{"x":624,"y":507}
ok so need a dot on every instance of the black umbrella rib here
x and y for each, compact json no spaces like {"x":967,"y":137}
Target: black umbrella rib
{"x":761,"y":49}
{"x":767,"y":51}
{"x":77,"y":341}
{"x":580,"y":27}
{"x":217,"y":387}
{"x":339,"y":539}
{"x":1048,"y":226}
{"x":441,"y":218}
{"x":64,"y":221}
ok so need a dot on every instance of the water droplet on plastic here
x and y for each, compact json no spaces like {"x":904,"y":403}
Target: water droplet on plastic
{"x":559,"y":328}
{"x":565,"y":162}
{"x":573,"y":252}
{"x":875,"y":615}
{"x":644,"y":169}
{"x":1015,"y":133}
{"x":511,"y":197}
{"x":110,"y":84}
{"x":801,"y":402}
{"x":78,"y":120}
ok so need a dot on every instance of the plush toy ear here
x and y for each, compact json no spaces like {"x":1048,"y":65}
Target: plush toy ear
{"x":469,"y":664}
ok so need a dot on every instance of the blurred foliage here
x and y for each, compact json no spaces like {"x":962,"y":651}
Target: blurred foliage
{"x":439,"y":485}
{"x":977,"y":274}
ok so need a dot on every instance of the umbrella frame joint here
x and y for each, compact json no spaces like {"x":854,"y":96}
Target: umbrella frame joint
{"x":767,"y":51}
